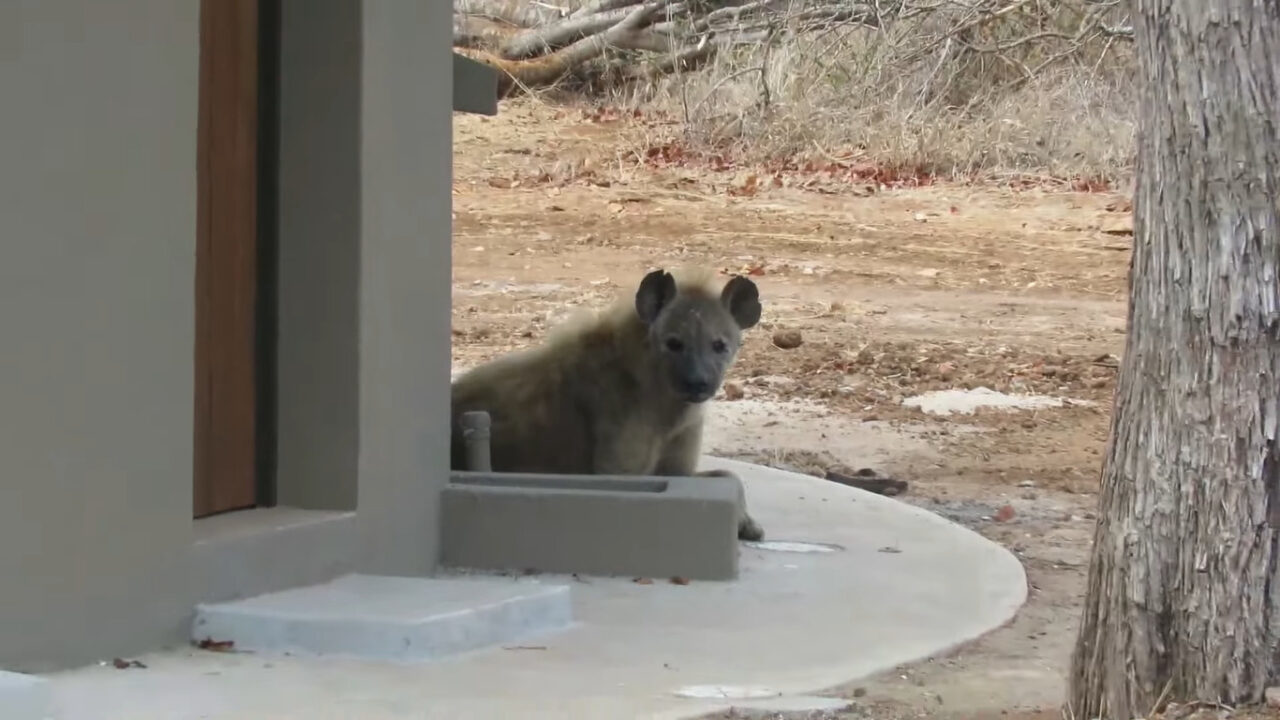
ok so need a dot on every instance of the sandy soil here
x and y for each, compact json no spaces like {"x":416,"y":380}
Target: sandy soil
{"x":895,"y":290}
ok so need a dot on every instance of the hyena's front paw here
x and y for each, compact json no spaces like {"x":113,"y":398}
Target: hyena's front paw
{"x":749,"y":529}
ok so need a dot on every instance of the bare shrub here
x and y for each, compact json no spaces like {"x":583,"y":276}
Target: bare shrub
{"x":917,"y":94}
{"x":959,"y":88}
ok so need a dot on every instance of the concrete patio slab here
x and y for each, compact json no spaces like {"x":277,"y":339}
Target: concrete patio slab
{"x":387,"y":618}
{"x":901,"y":584}
{"x":24,"y":697}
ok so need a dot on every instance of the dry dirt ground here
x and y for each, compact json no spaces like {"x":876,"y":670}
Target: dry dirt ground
{"x":895,"y":289}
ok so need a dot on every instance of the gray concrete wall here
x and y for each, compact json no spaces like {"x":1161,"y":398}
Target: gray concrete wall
{"x":97,"y":259}
{"x":317,"y":356}
{"x":405,"y":280}
{"x":99,"y":555}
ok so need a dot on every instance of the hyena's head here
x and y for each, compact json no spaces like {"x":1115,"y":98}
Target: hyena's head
{"x":695,"y":333}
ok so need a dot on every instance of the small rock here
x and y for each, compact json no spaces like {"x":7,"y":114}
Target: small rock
{"x":1122,"y":225}
{"x":787,"y":339}
{"x":859,"y":692}
{"x":1004,"y":514}
{"x":1027,"y":484}
{"x":733,"y":391}
{"x":1272,"y":695}
{"x":775,"y":381}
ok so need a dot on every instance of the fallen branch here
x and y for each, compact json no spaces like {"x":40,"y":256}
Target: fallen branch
{"x":536,"y":41}
{"x":476,"y":32}
{"x":869,"y":480}
{"x":685,"y":60}
{"x":599,"y":6}
{"x":516,"y":12}
{"x":546,"y":70}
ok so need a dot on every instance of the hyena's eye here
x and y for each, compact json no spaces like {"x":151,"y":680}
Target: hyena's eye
{"x":719,"y":346}
{"x":674,"y":344}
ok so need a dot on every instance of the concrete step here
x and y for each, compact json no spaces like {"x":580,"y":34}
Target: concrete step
{"x":389,"y":618}
{"x":24,"y":697}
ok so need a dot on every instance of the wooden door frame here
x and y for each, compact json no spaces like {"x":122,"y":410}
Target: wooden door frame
{"x":235,"y":321}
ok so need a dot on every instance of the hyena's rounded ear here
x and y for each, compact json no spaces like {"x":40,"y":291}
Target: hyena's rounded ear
{"x":742,"y":298}
{"x":656,"y":290}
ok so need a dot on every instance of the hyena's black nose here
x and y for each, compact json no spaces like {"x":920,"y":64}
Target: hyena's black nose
{"x":697,"y":387}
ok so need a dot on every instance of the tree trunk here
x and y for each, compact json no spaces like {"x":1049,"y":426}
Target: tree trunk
{"x":1182,"y":598}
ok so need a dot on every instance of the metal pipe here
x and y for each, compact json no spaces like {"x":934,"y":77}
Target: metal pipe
{"x":475,"y":437}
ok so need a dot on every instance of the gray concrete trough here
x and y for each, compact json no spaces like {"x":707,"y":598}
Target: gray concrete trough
{"x":592,"y":524}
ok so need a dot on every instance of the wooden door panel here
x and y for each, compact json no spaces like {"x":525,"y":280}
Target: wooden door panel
{"x":226,"y":258}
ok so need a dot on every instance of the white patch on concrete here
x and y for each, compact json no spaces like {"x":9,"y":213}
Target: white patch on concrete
{"x":965,"y":402}
{"x":790,"y":546}
{"x":24,"y":697}
{"x":729,"y":692}
{"x":771,"y":707}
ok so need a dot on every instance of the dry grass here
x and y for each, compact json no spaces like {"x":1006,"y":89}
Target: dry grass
{"x":954,"y":91}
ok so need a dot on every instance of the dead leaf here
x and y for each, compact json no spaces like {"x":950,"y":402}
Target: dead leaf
{"x":747,"y":187}
{"x":122,"y":664}
{"x":642,"y":581}
{"x":216,"y":645}
{"x":501,"y":183}
{"x":677,"y":580}
{"x":1004,"y":514}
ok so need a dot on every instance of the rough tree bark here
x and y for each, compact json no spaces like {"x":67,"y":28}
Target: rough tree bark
{"x":1182,"y":601}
